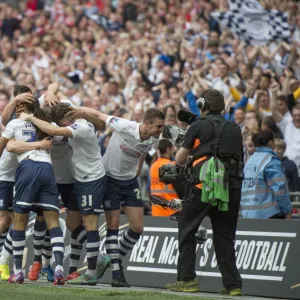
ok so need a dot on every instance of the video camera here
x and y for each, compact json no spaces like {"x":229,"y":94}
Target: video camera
{"x":175,"y":173}
{"x":169,"y":174}
{"x":173,"y":133}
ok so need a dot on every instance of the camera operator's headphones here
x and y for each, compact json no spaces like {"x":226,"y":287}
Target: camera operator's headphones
{"x":201,"y":103}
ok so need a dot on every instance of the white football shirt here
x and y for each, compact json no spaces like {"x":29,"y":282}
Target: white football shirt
{"x":125,"y":149}
{"x":86,"y":157}
{"x":8,"y":166}
{"x":25,"y":131}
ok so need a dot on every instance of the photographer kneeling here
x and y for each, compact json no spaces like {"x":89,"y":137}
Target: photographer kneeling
{"x":215,"y":144}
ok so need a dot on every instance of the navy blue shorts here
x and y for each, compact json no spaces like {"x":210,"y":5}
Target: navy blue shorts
{"x":6,"y":195}
{"x":66,"y":192}
{"x":35,"y":187}
{"x":122,"y":193}
{"x":89,"y":195}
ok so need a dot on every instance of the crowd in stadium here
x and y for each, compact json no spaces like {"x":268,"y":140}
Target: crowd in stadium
{"x":124,"y":57}
{"x":139,"y":59}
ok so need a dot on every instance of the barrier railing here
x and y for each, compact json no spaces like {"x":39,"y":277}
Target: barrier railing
{"x":295,"y":196}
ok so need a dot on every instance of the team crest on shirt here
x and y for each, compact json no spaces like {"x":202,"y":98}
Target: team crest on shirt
{"x":74,"y":126}
{"x":1,"y":202}
{"x":125,"y":149}
{"x":29,"y":134}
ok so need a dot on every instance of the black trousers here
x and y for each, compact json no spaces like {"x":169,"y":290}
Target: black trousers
{"x":224,"y":227}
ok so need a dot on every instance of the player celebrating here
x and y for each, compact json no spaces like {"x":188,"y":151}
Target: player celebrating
{"x":34,"y":182}
{"x":8,"y":166}
{"x":90,"y":178}
{"x":122,"y":160}
{"x":61,"y":162}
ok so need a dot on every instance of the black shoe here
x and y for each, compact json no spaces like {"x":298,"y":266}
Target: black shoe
{"x":118,"y":282}
{"x":123,"y":278}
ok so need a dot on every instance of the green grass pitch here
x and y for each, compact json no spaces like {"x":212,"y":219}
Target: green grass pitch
{"x":41,"y":292}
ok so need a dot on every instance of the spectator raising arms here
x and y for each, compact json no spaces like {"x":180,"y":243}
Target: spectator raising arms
{"x":127,"y":56}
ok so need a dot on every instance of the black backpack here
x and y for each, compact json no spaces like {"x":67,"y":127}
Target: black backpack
{"x":228,"y":140}
{"x":226,"y":146}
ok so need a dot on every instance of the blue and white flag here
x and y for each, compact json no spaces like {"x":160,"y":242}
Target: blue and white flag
{"x":246,"y":6}
{"x":254,"y":24}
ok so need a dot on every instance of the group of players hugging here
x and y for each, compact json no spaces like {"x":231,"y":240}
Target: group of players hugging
{"x":49,"y":148}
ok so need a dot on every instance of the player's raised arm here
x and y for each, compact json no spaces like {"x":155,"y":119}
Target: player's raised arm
{"x":47,"y":127}
{"x":91,"y":115}
{"x":7,"y":134}
{"x":3,"y":143}
{"x":21,"y":146}
{"x":11,"y":106}
{"x":50,"y":96}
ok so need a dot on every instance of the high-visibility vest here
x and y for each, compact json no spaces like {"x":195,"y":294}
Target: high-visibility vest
{"x":160,"y":189}
{"x":264,"y":194}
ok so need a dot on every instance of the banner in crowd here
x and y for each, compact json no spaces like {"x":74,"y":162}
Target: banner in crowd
{"x":252,"y":23}
{"x":266,"y":253}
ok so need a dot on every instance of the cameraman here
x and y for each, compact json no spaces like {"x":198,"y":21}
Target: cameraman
{"x":198,"y":140}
